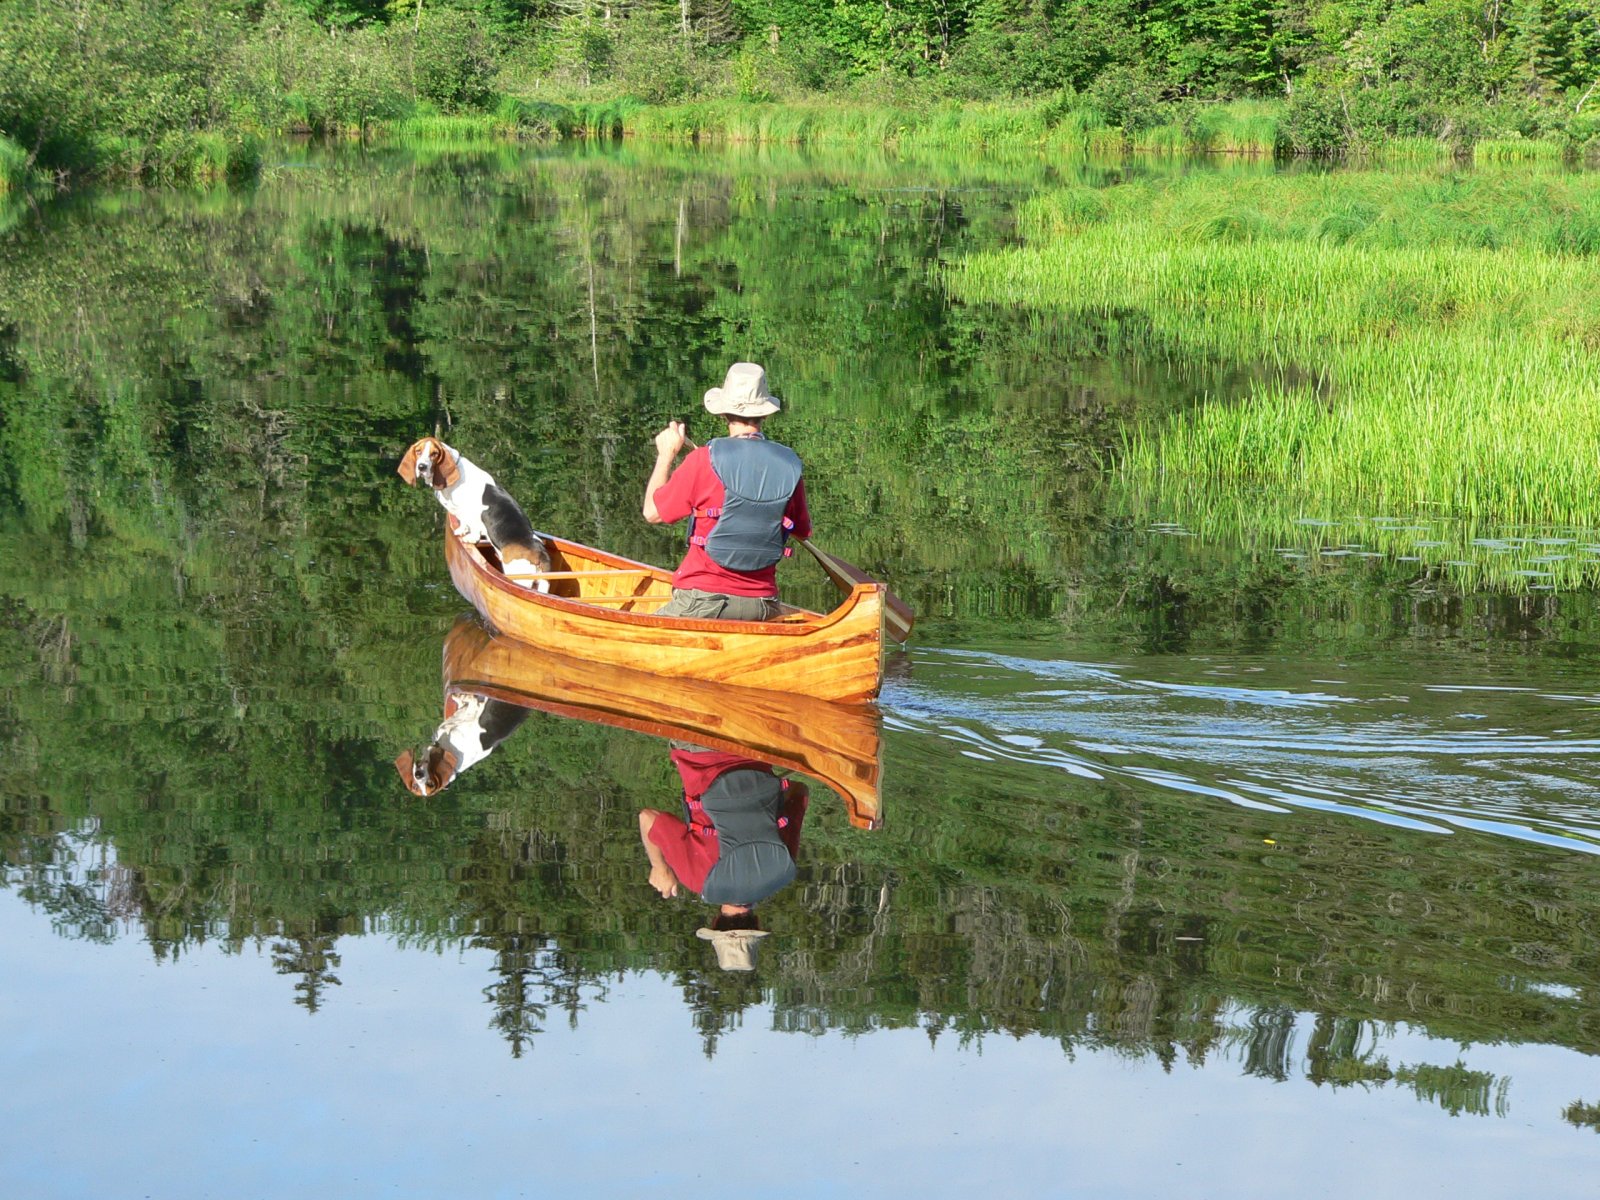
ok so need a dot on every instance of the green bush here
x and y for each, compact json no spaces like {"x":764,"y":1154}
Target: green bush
{"x":452,"y":62}
{"x":1315,"y":122}
{"x":655,"y":61}
{"x":329,"y":80}
{"x":1028,"y":52}
{"x":581,"y":50}
{"x":139,"y":69}
{"x":1128,"y":97}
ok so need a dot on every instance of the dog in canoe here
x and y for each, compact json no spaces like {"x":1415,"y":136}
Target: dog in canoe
{"x":484,"y":511}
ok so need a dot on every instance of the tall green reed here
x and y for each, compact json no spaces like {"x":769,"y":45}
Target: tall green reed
{"x":1418,"y":370}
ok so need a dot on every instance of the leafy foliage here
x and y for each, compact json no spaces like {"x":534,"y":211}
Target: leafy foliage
{"x":88,"y":86}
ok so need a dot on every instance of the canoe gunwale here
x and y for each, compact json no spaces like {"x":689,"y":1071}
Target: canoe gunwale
{"x":495,"y":579}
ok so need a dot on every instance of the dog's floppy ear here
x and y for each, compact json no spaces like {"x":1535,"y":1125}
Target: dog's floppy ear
{"x":442,"y":765}
{"x":445,"y":470}
{"x":408,"y":464}
{"x":406,"y":764}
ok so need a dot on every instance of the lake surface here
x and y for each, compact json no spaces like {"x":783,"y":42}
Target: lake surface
{"x":1209,"y":866}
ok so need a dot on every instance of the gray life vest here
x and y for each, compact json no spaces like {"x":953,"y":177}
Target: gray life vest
{"x":746,"y":804}
{"x":749,"y":530}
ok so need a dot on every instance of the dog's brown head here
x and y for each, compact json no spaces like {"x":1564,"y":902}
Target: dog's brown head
{"x":430,"y":774}
{"x":429,"y":463}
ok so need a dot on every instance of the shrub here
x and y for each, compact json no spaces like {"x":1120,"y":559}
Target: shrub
{"x":1315,"y":122}
{"x":655,"y":61}
{"x":139,"y":69}
{"x":1128,"y":97}
{"x":581,"y":50}
{"x":329,"y":80}
{"x":452,"y":63}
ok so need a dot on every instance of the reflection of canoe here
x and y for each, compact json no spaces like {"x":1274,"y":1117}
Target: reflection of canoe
{"x":836,"y":744}
{"x":599,"y":610}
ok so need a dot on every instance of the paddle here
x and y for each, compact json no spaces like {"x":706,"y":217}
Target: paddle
{"x":898,"y":616}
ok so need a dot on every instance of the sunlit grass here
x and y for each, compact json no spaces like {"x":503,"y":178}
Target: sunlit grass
{"x":1418,"y":371}
{"x":1550,"y":211}
{"x":1244,"y":127}
{"x":179,"y":156}
{"x":1299,"y":528}
{"x":1516,"y":149}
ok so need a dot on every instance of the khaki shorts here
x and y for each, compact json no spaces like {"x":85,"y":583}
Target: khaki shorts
{"x":712,"y":606}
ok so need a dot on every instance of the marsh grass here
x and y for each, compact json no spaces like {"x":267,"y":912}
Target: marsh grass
{"x":1423,"y":365}
{"x":1517,"y":149}
{"x":512,"y":119}
{"x":179,"y":156}
{"x":1297,"y":527}
{"x":1075,"y":126}
{"x":1550,"y":211}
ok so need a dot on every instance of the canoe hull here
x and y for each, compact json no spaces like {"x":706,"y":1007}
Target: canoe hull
{"x":600,"y":611}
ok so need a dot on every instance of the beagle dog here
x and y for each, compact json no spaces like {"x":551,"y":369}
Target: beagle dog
{"x":484,"y":511}
{"x":473,"y":726}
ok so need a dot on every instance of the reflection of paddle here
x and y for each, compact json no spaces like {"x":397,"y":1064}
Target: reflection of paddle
{"x":898,"y":617}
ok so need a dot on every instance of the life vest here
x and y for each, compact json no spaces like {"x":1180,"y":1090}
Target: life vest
{"x":746,"y":806}
{"x":747,"y":533}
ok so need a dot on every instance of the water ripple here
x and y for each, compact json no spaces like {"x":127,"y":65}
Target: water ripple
{"x":1390,"y":750}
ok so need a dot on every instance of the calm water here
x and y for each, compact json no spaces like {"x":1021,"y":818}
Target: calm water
{"x":1209,"y":867}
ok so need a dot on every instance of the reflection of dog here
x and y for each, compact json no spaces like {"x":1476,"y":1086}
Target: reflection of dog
{"x":484,"y":511}
{"x":473,"y":726}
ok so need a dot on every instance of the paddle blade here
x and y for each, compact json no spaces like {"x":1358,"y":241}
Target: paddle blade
{"x":898,"y":617}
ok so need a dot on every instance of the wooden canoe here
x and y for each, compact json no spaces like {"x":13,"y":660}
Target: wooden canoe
{"x":836,"y":744}
{"x":600,"y":610}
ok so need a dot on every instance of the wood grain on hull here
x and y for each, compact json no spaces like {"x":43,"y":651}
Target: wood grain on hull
{"x":831,"y":656}
{"x":836,"y":744}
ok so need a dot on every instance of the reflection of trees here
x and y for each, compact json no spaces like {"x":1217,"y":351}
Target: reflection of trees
{"x":310,"y":956}
{"x":532,"y":976}
{"x":1579,"y":1115}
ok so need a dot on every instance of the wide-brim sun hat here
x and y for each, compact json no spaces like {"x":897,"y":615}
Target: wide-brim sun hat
{"x":743,"y":393}
{"x":736,"y":948}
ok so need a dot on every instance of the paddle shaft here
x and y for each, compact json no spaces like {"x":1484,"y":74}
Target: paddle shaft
{"x":897,"y":614}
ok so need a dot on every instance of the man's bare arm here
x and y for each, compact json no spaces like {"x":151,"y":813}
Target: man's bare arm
{"x":661,"y":876}
{"x":669,"y":442}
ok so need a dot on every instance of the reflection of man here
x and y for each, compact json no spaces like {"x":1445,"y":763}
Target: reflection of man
{"x":744,"y":496}
{"x":735,"y":845}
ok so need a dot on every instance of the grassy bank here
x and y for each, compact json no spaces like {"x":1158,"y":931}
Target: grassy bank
{"x":1072,"y":125}
{"x":1417,"y":370}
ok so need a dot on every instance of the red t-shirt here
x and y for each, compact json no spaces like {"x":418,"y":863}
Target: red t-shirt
{"x":694,"y":485}
{"x":690,"y":847}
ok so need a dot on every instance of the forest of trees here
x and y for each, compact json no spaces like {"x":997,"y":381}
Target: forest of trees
{"x":181,"y":86}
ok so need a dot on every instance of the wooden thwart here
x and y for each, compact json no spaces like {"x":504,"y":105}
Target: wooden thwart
{"x":576,"y":574}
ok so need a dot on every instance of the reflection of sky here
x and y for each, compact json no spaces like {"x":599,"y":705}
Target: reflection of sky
{"x":201,"y":1078}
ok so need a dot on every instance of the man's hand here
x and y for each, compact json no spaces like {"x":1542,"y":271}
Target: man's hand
{"x":671,"y":440}
{"x":664,"y":881}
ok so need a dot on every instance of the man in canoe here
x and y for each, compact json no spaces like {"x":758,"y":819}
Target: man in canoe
{"x":744,"y":497}
{"x":734,"y":846}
